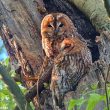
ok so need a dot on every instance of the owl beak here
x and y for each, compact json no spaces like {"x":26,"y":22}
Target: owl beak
{"x":56,"y":31}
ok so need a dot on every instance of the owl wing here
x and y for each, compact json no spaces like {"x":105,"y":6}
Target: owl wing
{"x":68,"y":69}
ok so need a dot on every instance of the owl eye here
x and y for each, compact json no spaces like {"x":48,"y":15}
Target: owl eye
{"x":49,"y":25}
{"x":61,"y":25}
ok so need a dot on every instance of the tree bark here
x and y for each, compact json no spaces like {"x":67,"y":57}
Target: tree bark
{"x":95,"y":11}
{"x":15,"y":90}
{"x":20,"y":30}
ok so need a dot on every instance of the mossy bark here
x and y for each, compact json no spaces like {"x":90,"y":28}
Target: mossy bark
{"x":95,"y":10}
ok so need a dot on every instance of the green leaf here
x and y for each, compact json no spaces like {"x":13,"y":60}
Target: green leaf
{"x":77,"y":102}
{"x":6,"y":100}
{"x":80,"y":101}
{"x":108,"y":91}
{"x":94,"y":86}
{"x":2,"y":96}
{"x":7,"y":61}
{"x":2,"y":104}
{"x":105,"y":108}
{"x":71,"y":104}
{"x":93,"y":100}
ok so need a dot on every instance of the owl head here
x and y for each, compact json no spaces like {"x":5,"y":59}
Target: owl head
{"x":74,"y":45}
{"x":55,"y":25}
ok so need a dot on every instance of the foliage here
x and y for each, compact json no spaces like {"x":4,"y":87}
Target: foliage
{"x":6,"y":99}
{"x":90,"y":99}
{"x":76,"y":102}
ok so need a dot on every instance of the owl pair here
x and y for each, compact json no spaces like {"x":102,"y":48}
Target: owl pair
{"x":71,"y":56}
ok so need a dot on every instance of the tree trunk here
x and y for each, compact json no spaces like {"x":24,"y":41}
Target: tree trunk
{"x":95,"y":11}
{"x":20,"y":30}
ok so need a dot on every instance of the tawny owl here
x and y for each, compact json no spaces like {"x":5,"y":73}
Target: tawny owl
{"x":72,"y":58}
{"x":71,"y":64}
{"x":54,"y":28}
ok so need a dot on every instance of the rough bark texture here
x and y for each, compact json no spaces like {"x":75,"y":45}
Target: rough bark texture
{"x":95,"y":11}
{"x":20,"y":30}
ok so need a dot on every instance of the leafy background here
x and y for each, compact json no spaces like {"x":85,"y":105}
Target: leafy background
{"x":6,"y":99}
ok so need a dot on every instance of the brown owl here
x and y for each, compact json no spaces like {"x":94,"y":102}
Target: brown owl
{"x":72,"y":58}
{"x":71,"y":64}
{"x":55,"y":27}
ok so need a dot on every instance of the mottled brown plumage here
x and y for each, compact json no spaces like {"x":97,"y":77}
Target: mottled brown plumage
{"x":72,"y":63}
{"x":68,"y":51}
{"x":54,"y":28}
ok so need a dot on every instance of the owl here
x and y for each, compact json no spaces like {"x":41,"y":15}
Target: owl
{"x":68,"y":51}
{"x":55,"y":28}
{"x":70,"y":65}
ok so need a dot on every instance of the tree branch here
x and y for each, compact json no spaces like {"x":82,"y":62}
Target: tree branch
{"x":44,"y":79}
{"x":14,"y":89}
{"x":106,"y":92}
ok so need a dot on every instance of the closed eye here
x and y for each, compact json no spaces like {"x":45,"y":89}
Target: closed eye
{"x":61,"y":25}
{"x":65,"y":47}
{"x":49,"y":25}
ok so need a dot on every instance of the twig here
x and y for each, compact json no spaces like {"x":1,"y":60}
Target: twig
{"x":45,"y":63}
{"x":44,"y":79}
{"x":107,"y":98}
